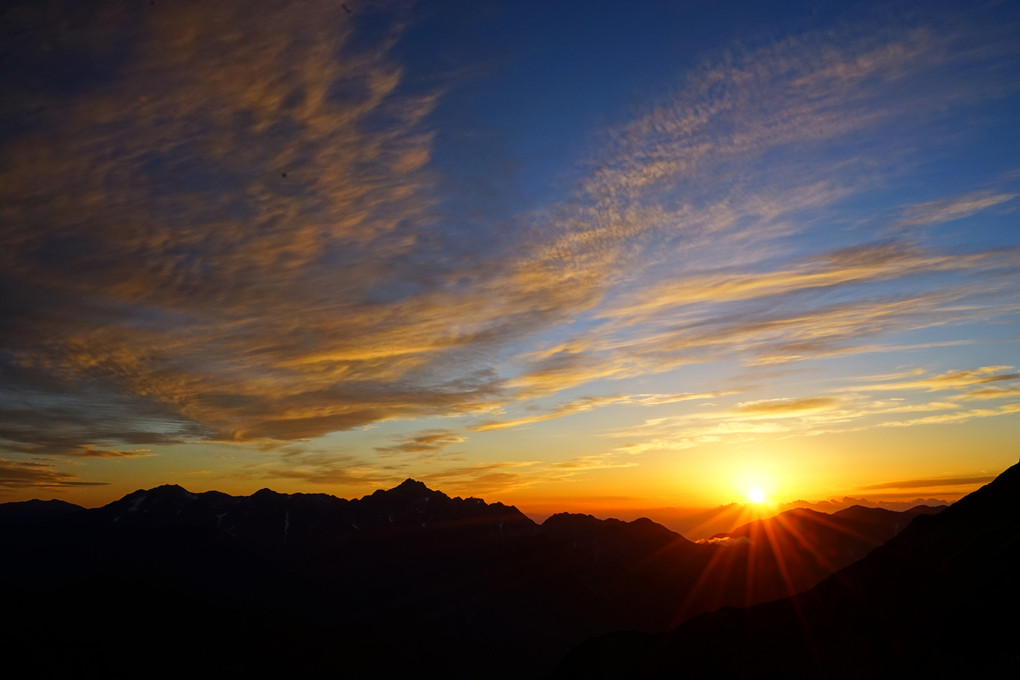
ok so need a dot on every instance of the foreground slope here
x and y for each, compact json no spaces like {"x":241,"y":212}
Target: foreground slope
{"x":938,"y":600}
{"x":805,"y":546}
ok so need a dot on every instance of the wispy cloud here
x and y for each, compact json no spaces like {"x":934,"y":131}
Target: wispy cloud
{"x":18,"y":474}
{"x":773,"y":408}
{"x":77,"y":451}
{"x":856,"y":265}
{"x":317,"y":468}
{"x":238,"y":199}
{"x":589,"y":403}
{"x":840,"y":411}
{"x":989,"y":393}
{"x":929,"y":483}
{"x":431,"y":441}
{"x":950,"y":380}
{"x":955,"y":208}
{"x":957,"y":417}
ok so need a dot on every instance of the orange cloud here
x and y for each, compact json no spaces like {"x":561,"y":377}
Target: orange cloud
{"x":431,"y":441}
{"x":787,"y":407}
{"x":16,"y":474}
{"x":951,"y":380}
{"x":589,"y":403}
{"x":930,"y":483}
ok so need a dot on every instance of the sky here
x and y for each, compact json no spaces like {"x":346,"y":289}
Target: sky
{"x":572,"y":255}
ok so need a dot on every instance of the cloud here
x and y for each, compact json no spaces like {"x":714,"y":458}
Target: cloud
{"x":957,"y":417}
{"x":843,"y":410}
{"x":212,"y":229}
{"x":726,"y":541}
{"x":768,"y":331}
{"x":322,"y":468}
{"x":926,"y":483}
{"x":601,"y":461}
{"x":955,"y":208}
{"x":787,"y":407}
{"x":77,"y":451}
{"x":83,"y":421}
{"x":585,"y":404}
{"x":679,"y":208}
{"x":502,"y":476}
{"x":17,"y":474}
{"x":951,"y":380}
{"x":430,"y":441}
{"x":483,"y":478}
{"x":990,"y":393}
{"x":856,"y":265}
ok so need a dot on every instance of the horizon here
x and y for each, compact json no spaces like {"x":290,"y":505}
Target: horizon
{"x":693,"y":523}
{"x":551,"y":254}
{"x":839,"y":503}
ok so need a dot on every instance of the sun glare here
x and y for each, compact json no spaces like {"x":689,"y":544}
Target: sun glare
{"x":756,"y":495}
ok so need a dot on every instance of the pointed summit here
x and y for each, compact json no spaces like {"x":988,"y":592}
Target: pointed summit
{"x":158,"y":494}
{"x":413,"y":504}
{"x":411,"y":484}
{"x":169,"y":488}
{"x":410,"y":492}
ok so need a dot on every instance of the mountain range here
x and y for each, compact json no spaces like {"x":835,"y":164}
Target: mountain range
{"x":310,"y":584}
{"x":938,"y":600}
{"x":698,"y":523}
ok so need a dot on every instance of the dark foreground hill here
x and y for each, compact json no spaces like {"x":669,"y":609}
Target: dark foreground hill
{"x":939,"y":600}
{"x":311,"y":585}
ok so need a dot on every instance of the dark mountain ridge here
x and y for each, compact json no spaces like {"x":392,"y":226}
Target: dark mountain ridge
{"x":806,"y":546}
{"x":936,"y":600}
{"x":26,"y":513}
{"x":404,"y":574}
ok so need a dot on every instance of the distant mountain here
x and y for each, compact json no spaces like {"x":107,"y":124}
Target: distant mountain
{"x":701,"y":523}
{"x":805,"y":546}
{"x":937,"y":600}
{"x":835,"y":505}
{"x":401,"y":577}
{"x":27,"y":513}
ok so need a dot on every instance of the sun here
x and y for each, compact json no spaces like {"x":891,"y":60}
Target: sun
{"x":756,"y":495}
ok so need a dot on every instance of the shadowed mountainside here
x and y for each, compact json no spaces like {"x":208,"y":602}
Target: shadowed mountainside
{"x":699,"y":523}
{"x":937,"y":600}
{"x":804,"y":546}
{"x":399,"y":578}
{"x":23,"y":514}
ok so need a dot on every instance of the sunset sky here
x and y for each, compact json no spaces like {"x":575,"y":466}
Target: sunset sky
{"x":578,"y":254}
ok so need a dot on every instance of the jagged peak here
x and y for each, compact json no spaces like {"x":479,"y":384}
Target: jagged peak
{"x":865,"y":511}
{"x":169,"y":487}
{"x":410,"y":483}
{"x":561,"y":516}
{"x":163,"y":490}
{"x":406,"y":489}
{"x":576,"y":520}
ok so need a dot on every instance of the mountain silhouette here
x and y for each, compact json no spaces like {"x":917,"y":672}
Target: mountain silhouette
{"x":24,"y":514}
{"x":378,"y":585}
{"x":805,"y":546}
{"x":937,"y":600}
